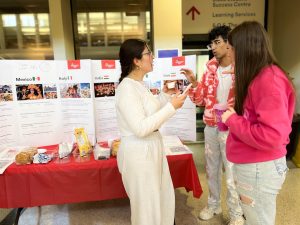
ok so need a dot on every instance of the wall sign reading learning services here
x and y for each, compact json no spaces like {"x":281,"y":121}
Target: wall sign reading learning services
{"x":219,"y":12}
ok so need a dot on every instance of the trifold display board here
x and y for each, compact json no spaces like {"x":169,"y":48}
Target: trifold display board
{"x":42,"y":102}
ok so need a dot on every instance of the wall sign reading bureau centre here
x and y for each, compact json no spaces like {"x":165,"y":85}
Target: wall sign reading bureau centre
{"x":219,"y":12}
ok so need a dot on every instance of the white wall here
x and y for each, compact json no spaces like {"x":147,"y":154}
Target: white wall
{"x":167,"y":24}
{"x":286,"y":38}
{"x":61,"y":29}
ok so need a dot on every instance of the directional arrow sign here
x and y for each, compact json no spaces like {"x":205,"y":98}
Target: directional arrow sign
{"x":193,"y":10}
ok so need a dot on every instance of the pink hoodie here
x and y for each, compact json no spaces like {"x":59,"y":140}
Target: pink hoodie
{"x":262,"y":133}
{"x":205,"y":94}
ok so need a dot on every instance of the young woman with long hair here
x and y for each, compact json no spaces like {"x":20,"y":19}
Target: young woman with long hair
{"x":260,"y":123}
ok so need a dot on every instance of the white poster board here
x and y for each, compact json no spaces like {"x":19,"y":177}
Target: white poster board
{"x":42,"y":102}
{"x":76,"y":98}
{"x":183,"y":123}
{"x":106,"y":75}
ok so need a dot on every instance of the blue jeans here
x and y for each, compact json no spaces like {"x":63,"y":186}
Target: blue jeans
{"x":215,"y":156}
{"x":258,"y":185}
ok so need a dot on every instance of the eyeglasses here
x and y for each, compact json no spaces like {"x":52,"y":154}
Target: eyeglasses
{"x":216,"y":42}
{"x":148,"y":53}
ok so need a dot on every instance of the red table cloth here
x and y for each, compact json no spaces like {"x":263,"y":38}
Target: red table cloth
{"x":94,"y":180}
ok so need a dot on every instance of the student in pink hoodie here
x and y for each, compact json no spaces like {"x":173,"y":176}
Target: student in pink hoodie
{"x":260,"y":123}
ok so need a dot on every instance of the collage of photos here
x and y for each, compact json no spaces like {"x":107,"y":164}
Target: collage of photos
{"x":105,"y":89}
{"x":29,"y":91}
{"x":6,"y":93}
{"x":77,"y":90}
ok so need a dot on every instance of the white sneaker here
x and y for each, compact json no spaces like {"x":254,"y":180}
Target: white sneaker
{"x":208,"y":213}
{"x":237,"y":221}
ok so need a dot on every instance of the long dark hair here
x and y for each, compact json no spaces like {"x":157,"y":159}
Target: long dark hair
{"x":253,"y":52}
{"x":129,"y":50}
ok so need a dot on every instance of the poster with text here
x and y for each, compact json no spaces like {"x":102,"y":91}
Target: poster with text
{"x":183,"y":123}
{"x":37,"y":115}
{"x":75,"y":90}
{"x":106,"y":75}
{"x":8,"y":115}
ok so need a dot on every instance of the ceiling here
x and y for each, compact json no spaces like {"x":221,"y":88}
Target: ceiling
{"x":112,"y":5}
{"x":23,"y":6}
{"x":41,"y":6}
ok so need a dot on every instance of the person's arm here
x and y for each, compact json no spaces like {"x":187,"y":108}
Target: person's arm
{"x":163,"y":98}
{"x":131,"y":108}
{"x":271,"y":131}
{"x":197,"y":92}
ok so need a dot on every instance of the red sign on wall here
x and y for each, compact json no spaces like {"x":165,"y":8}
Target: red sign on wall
{"x":178,"y":61}
{"x":73,"y":64}
{"x":108,"y":64}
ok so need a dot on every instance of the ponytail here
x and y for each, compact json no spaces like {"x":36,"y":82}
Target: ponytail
{"x":129,"y":50}
{"x":125,"y":71}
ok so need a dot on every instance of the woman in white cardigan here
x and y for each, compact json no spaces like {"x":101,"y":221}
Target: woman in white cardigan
{"x":141,"y":159}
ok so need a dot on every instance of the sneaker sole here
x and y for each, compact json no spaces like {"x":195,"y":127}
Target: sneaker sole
{"x":215,"y":214}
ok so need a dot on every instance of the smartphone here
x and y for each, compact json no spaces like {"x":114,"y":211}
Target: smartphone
{"x":187,"y":89}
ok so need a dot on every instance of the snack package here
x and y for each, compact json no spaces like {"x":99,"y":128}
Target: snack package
{"x":115,"y":147}
{"x":25,"y":156}
{"x":101,"y":152}
{"x":64,"y":149}
{"x":82,"y":141}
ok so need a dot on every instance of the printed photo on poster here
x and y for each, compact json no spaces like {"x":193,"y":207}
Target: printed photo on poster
{"x":50,"y":91}
{"x":70,"y":90}
{"x":174,"y":84}
{"x":85,"y":90}
{"x":105,"y":89}
{"x":153,"y":86}
{"x":6,"y":93}
{"x":29,"y":91}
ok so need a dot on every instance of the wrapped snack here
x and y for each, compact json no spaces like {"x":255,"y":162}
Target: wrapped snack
{"x":101,"y":152}
{"x":25,"y":156}
{"x":64,"y":149}
{"x":82,"y":141}
{"x":115,"y":147}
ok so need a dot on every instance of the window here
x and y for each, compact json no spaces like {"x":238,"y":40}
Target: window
{"x":25,"y":30}
{"x":44,"y":30}
{"x":97,"y":28}
{"x":28,"y":30}
{"x":9,"y":22}
{"x":101,"y":26}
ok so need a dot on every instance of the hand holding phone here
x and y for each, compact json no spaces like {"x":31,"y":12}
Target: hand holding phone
{"x":187,"y":89}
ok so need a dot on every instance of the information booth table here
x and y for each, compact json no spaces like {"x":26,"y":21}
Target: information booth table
{"x":73,"y":182}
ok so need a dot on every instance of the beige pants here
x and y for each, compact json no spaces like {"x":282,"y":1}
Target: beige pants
{"x":147,"y":181}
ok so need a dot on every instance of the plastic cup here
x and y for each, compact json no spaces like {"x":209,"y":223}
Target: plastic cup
{"x":219,"y":110}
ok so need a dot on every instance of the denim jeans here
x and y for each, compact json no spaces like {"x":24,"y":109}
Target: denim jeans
{"x":215,"y":156}
{"x":258,"y":185}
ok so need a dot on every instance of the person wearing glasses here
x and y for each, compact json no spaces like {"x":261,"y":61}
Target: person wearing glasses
{"x":141,"y":158}
{"x":259,"y":123}
{"x":216,"y":86}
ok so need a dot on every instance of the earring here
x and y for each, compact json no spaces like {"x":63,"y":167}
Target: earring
{"x":138,"y":67}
